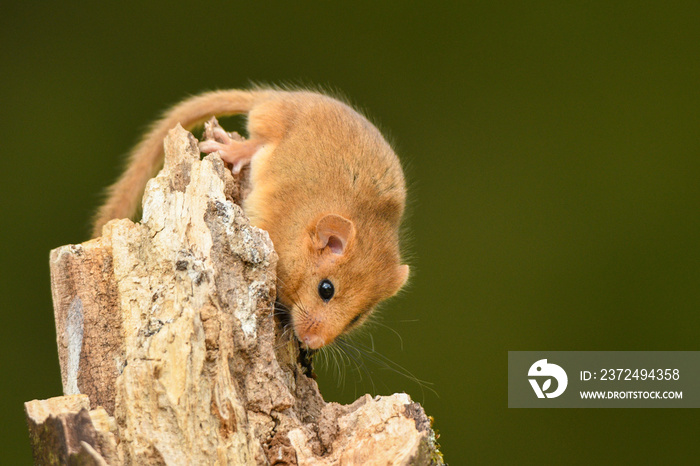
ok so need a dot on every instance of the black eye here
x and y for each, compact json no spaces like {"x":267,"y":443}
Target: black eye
{"x":326,"y":290}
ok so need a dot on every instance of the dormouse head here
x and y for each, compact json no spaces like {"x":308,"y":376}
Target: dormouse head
{"x":346,"y":275}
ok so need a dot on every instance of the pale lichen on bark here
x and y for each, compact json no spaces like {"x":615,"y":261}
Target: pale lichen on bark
{"x":167,"y":326}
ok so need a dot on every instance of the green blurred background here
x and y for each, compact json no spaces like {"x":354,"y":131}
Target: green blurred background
{"x":552,"y":154}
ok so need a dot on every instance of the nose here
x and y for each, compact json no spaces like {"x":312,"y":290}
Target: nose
{"x":314,"y":341}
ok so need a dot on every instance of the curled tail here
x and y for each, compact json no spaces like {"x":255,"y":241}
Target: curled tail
{"x":123,"y":197}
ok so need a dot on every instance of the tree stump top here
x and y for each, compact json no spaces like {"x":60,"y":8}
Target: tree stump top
{"x":167,"y":327}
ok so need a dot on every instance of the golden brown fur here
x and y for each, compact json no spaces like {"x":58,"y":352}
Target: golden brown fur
{"x":326,"y":186}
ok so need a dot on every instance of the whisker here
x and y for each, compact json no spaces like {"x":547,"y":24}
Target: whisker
{"x":359,"y":363}
{"x":334,"y":356}
{"x":356,"y":355}
{"x":397,"y":369}
{"x":339,"y":374}
{"x":296,"y":300}
{"x":377,"y":322}
{"x":285,"y":336}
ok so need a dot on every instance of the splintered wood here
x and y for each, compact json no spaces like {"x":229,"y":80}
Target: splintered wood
{"x":168,"y":349}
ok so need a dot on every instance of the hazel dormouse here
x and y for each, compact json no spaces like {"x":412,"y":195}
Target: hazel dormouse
{"x":325,"y":185}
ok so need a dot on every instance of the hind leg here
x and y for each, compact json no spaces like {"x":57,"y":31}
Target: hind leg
{"x":231,"y":147}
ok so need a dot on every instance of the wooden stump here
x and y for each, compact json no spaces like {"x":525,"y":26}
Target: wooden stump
{"x":165,"y":329}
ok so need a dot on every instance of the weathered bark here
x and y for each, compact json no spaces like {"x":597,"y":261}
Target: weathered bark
{"x":167,"y":326}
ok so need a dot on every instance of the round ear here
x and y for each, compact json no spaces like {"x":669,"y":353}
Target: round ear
{"x":334,"y":232}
